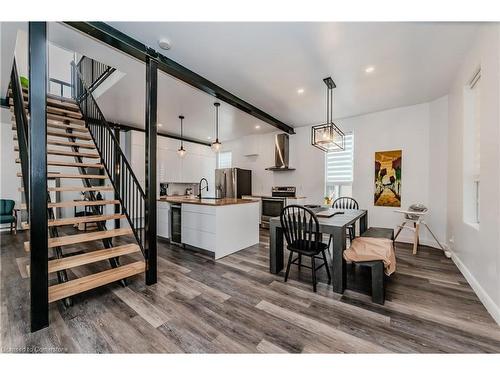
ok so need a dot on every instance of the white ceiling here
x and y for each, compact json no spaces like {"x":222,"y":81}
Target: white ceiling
{"x":265,"y":63}
{"x":124,"y":102}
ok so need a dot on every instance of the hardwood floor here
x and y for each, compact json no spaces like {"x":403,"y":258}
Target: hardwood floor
{"x":235,"y":305}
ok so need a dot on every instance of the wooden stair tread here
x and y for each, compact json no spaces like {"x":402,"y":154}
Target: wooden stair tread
{"x":69,"y":153}
{"x":56,"y":109}
{"x":79,"y":220}
{"x":91,"y":257}
{"x":58,"y":113}
{"x":57,"y":142}
{"x":73,"y":120}
{"x":83,"y":203}
{"x":59,"y":99}
{"x":77,"y":203}
{"x":82,"y":284}
{"x":78,"y":135}
{"x":52,"y":99}
{"x":56,"y":122}
{"x":76,"y":188}
{"x":74,"y":176}
{"x":70,"y":164}
{"x":55,"y":125}
{"x":84,"y":237}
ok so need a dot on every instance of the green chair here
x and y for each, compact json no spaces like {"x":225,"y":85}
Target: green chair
{"x":8,"y":214}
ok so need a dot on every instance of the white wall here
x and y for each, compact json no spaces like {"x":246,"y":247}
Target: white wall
{"x":309,"y":164}
{"x":477,"y":251}
{"x":60,"y":63}
{"x":419,"y":130}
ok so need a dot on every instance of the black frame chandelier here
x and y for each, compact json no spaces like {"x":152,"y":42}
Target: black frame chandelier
{"x":328,"y":136}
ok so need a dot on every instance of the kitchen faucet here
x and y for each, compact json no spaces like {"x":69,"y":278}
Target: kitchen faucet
{"x":200,"y":188}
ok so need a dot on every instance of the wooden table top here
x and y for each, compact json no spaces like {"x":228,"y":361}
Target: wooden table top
{"x":339,"y":220}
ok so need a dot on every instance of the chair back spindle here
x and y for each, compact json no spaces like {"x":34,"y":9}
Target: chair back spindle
{"x":345,"y":203}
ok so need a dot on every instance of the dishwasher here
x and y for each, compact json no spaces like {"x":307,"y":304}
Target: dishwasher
{"x":175,"y":224}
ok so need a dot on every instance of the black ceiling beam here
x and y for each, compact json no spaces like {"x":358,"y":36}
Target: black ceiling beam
{"x":166,"y":135}
{"x":115,"y":38}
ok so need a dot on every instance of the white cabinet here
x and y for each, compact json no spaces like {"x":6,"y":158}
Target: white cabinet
{"x":260,"y":204}
{"x":192,"y":168}
{"x":221,"y":230}
{"x":198,"y":226}
{"x":199,"y":161}
{"x":163,"y":220}
{"x":169,"y":166}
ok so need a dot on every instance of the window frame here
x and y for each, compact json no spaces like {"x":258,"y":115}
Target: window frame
{"x":219,"y":159}
{"x":338,"y":187}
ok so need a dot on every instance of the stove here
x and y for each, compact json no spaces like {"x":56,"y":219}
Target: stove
{"x":284,"y":191}
{"x":273,"y":205}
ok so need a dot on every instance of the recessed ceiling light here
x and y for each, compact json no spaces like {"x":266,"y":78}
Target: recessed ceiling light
{"x":369,"y":69}
{"x":209,"y":137}
{"x":257,"y":126}
{"x":164,"y":44}
{"x":300,"y":91}
{"x":160,"y":125}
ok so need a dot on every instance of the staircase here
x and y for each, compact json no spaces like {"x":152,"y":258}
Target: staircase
{"x":71,"y":151}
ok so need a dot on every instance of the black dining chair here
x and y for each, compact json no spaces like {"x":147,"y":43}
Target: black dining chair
{"x":301,"y":229}
{"x":345,"y":203}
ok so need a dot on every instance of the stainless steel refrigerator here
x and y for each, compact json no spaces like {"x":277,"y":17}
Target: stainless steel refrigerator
{"x":233,"y":182}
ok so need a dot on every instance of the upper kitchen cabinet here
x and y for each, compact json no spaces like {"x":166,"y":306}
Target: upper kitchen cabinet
{"x":169,"y":166}
{"x":198,"y":162}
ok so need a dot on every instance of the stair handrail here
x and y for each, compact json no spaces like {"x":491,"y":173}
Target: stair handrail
{"x":93,"y":72}
{"x":125,"y":183}
{"x":21,"y":127}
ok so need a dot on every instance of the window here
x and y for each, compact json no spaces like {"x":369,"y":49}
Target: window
{"x":339,"y":170}
{"x":472,"y":150}
{"x":224,"y":159}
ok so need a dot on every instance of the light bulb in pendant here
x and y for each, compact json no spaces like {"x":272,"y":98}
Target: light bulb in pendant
{"x":181,"y":152}
{"x":216,"y":146}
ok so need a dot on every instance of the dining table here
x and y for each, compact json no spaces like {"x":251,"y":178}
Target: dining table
{"x":335,"y":225}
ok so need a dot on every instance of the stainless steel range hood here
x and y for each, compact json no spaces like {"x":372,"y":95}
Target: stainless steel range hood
{"x":281,"y":153}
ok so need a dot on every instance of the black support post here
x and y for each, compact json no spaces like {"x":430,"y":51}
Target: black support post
{"x":150,"y":157}
{"x":38,"y":175}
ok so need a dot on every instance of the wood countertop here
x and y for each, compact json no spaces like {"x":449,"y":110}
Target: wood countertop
{"x":205,"y":202}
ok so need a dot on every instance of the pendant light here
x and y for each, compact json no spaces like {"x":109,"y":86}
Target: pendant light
{"x":181,"y":151}
{"x":216,"y":146}
{"x":328,"y":136}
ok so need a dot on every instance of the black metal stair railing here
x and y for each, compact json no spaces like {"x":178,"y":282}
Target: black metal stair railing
{"x":126,"y":185}
{"x":93,"y":73}
{"x":21,"y":127}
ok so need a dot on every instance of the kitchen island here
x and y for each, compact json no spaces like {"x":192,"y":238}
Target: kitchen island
{"x":219,"y":226}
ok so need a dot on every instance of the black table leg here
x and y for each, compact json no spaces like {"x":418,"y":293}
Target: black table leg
{"x":338,"y":263}
{"x":276,"y":249}
{"x":363,"y":223}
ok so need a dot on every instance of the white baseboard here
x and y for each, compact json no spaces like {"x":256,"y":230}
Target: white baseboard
{"x":490,"y":305}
